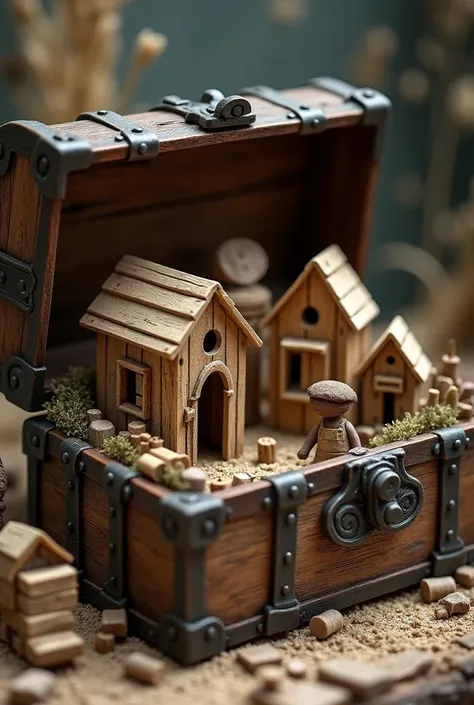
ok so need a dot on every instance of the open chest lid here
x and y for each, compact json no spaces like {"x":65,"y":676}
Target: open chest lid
{"x":292,"y":169}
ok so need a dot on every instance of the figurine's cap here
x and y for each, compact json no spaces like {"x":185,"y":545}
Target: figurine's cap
{"x":333,"y":391}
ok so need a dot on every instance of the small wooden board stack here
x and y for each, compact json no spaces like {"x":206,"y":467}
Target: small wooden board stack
{"x":38,"y":591}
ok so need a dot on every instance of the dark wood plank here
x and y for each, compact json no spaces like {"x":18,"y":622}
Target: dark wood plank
{"x":53,"y":500}
{"x":95,"y":531}
{"x":466,"y":492}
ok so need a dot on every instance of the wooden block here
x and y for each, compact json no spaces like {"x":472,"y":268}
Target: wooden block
{"x":467,"y":641}
{"x":93,"y":415}
{"x":362,"y":679}
{"x":464,"y":576}
{"x":222,"y":483}
{"x":324,"y":625}
{"x":99,"y":431}
{"x":253,"y":657}
{"x":7,"y":595}
{"x":406,"y":664}
{"x":291,"y":693}
{"x":433,"y":589}
{"x":38,"y":624}
{"x":44,"y":581}
{"x":145,"y":669}
{"x":266,"y":448}
{"x":296,"y":668}
{"x":170,"y":457}
{"x":195,"y":478}
{"x":32,"y":686}
{"x":136,"y":428}
{"x":114,"y":622}
{"x":53,"y":649}
{"x":241,"y":478}
{"x":104,"y":643}
{"x":151,"y":466}
{"x":65,"y":600}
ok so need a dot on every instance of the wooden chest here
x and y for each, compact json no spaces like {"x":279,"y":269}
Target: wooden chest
{"x":294,"y":170}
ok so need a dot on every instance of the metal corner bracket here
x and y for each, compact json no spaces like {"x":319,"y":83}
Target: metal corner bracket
{"x":70,"y":452}
{"x":449,"y":446}
{"x":290,"y":490}
{"x":23,"y":384}
{"x":191,"y":522}
{"x":34,"y":443}
{"x":377,"y":494}
{"x":143,"y":144}
{"x":52,"y":154}
{"x":312,"y":120}
{"x":214,"y":112}
{"x":116,"y":482}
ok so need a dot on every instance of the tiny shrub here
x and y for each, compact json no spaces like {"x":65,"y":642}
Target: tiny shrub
{"x":122,"y":450}
{"x":73,"y":395}
{"x":427,"y":419}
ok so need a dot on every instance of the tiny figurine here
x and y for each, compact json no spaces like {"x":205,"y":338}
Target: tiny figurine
{"x":334,"y":434}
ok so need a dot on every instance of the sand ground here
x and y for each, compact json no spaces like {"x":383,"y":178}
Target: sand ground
{"x":370,"y":631}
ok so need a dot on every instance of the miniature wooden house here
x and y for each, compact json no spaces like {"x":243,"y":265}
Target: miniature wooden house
{"x":391,"y":375}
{"x":319,"y":329}
{"x":171,"y":351}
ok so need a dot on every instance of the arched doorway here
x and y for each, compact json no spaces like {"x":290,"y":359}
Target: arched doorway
{"x":211,"y":416}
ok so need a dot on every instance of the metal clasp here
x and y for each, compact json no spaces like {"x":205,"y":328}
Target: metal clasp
{"x":214,"y":112}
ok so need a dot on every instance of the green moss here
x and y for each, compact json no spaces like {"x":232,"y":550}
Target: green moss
{"x":122,"y":450}
{"x":428,"y":419}
{"x":172,"y":477}
{"x":73,"y":395}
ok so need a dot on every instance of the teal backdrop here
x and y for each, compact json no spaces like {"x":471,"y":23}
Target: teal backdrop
{"x":229,"y":44}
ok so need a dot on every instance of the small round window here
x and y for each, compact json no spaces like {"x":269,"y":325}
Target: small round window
{"x":390,"y":360}
{"x":212,"y":342}
{"x":310,"y":316}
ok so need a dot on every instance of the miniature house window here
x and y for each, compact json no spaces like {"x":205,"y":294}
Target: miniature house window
{"x":212,"y":342}
{"x":303,"y":362}
{"x":310,"y":316}
{"x":133,"y":388}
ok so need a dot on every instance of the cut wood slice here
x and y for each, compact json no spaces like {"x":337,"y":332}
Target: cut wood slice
{"x":240,"y":261}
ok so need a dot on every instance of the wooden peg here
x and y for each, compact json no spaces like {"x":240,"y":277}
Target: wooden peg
{"x":222,"y":483}
{"x":137,"y":427}
{"x":125,"y":434}
{"x":443,"y":384}
{"x":145,"y":669}
{"x":433,"y":397}
{"x":451,"y":398}
{"x":195,"y":478}
{"x":467,"y":392}
{"x":324,"y":625}
{"x":433,"y":589}
{"x":266,"y":447}
{"x":464,"y":411}
{"x":99,"y":431}
{"x":151,"y":466}
{"x":93,"y":415}
{"x":451,"y":361}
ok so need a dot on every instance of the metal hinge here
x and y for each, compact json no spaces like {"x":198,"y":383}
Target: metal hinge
{"x":70,"y":452}
{"x":377,"y":494}
{"x":17,"y":282}
{"x":283,"y":613}
{"x":23,"y":384}
{"x":376,"y":105}
{"x":116,"y":482}
{"x":214,"y":112}
{"x":450,"y":551}
{"x":143,"y":144}
{"x":312,"y":120}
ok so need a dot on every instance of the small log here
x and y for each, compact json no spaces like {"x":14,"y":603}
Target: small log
{"x":195,"y":479}
{"x":451,"y":398}
{"x":137,"y":427}
{"x":266,"y":447}
{"x":465,"y":576}
{"x":433,"y":589}
{"x":125,"y":434}
{"x":221,"y":483}
{"x":135,"y":439}
{"x":443,"y":384}
{"x":324,"y":625}
{"x":93,"y":415}
{"x":145,"y":669}
{"x":170,"y":457}
{"x":99,"y":431}
{"x":433,"y":397}
{"x":466,"y":392}
{"x":144,"y":447}
{"x":465,"y":411}
{"x":151,"y":466}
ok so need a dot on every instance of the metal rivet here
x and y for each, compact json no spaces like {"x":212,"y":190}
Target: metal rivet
{"x":457,"y":444}
{"x":310,"y":486}
{"x":2,"y":277}
{"x":209,"y":527}
{"x":291,"y":116}
{"x":211,"y":633}
{"x":82,"y":466}
{"x":102,"y":112}
{"x":294,"y":491}
{"x":450,"y":534}
{"x":266,"y":502}
{"x":65,"y":458}
{"x":112,"y":547}
{"x":259,"y":628}
{"x":368,"y":93}
{"x":290,"y":519}
{"x":70,"y":484}
{"x":119,"y":138}
{"x":453,"y":468}
{"x":127,"y":492}
{"x":468,"y":440}
{"x":42,"y":165}
{"x":112,"y":512}
{"x":436,"y":449}
{"x":285,"y":590}
{"x":304,"y":107}
{"x":451,"y":505}
{"x":14,"y":380}
{"x":113,"y":580}
{"x":22,"y":286}
{"x":288,"y":557}
{"x":35,"y":441}
{"x":137,"y":130}
{"x":172,"y":633}
{"x":70,"y":527}
{"x":315,"y":122}
{"x":109,"y":479}
{"x":143,"y":148}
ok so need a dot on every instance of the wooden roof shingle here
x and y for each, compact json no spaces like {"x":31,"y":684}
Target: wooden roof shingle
{"x":344,"y":284}
{"x":156,"y":307}
{"x":18,"y":544}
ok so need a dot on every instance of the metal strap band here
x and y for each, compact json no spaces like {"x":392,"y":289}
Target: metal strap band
{"x":116,"y":482}
{"x":312,"y":119}
{"x":35,"y":432}
{"x":70,"y":452}
{"x":143,"y":144}
{"x":450,"y":448}
{"x":283,"y":613}
{"x":17,"y":282}
{"x":192,"y":522}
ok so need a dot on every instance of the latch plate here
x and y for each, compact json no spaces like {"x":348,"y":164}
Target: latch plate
{"x":214,"y":112}
{"x":377,"y":494}
{"x":17,"y":282}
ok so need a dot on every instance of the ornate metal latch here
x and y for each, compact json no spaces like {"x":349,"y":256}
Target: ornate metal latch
{"x":377,"y":494}
{"x":214,"y":112}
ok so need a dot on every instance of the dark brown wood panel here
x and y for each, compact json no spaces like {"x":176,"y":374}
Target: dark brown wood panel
{"x":95,"y":531}
{"x":53,"y":500}
{"x":466,"y":493}
{"x":322,"y":566}
{"x":239,"y":568}
{"x":150,"y":565}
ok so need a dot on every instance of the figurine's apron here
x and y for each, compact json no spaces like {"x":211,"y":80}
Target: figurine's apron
{"x":332,"y":442}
